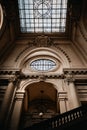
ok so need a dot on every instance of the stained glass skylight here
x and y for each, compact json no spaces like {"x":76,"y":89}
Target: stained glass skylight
{"x":43,"y":65}
{"x":42,"y":15}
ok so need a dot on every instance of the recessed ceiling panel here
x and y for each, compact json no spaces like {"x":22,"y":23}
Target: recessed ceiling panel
{"x":42,"y":15}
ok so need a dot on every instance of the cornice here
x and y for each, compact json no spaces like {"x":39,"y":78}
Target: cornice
{"x":42,"y":77}
{"x":76,"y":75}
{"x":67,"y":74}
{"x":9,"y":71}
{"x":75,"y":71}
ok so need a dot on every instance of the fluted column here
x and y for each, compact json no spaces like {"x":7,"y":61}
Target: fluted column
{"x":6,"y":101}
{"x":15,"y":119}
{"x":72,"y":93}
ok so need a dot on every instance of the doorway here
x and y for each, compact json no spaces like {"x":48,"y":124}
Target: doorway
{"x":40,"y":103}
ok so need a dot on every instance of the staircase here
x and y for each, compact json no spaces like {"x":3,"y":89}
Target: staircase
{"x":73,"y":119}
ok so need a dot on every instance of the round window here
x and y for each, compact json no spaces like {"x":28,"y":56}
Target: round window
{"x":43,"y":65}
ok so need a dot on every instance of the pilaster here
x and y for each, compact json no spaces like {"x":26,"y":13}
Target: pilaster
{"x":15,"y":119}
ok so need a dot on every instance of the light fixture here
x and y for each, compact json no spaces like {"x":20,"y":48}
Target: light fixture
{"x":41,"y":114}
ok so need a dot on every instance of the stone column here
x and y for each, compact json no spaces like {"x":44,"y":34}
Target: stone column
{"x":15,"y":119}
{"x":72,"y":94}
{"x":6,"y":101}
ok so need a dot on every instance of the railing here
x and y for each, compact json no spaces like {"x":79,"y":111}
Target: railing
{"x":61,"y":120}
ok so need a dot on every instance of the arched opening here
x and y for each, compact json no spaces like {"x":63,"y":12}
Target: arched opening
{"x":40,"y":103}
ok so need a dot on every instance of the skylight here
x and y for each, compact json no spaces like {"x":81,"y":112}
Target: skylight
{"x":42,"y":15}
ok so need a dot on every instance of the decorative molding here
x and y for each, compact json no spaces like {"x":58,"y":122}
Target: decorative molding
{"x":9,"y":72}
{"x":19,"y":95}
{"x":42,"y":77}
{"x":67,"y":73}
{"x":75,"y":75}
{"x":70,"y":78}
{"x":66,"y":55}
{"x":40,"y":41}
{"x":62,"y":95}
{"x":75,"y":71}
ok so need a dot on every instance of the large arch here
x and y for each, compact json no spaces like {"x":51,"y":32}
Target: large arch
{"x":26,"y":83}
{"x":40,"y":101}
{"x":52,"y":52}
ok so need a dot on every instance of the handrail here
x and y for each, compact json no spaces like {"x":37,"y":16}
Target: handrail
{"x":61,"y":120}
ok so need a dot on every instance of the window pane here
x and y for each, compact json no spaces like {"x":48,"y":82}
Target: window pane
{"x":42,"y":15}
{"x":43,"y":65}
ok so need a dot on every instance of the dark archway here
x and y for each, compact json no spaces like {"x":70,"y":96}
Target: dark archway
{"x":40,"y":103}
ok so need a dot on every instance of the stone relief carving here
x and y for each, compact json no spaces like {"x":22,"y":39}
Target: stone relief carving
{"x":43,"y":41}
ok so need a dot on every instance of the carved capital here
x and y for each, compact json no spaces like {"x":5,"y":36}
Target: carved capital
{"x":12,"y":79}
{"x":15,"y":80}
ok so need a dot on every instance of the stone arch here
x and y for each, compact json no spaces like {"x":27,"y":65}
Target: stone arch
{"x":44,"y":51}
{"x":26,"y":83}
{"x":39,"y":104}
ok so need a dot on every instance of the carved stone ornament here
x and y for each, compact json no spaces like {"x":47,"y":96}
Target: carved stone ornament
{"x":43,"y":41}
{"x":12,"y":79}
{"x":42,"y":77}
{"x":69,"y":78}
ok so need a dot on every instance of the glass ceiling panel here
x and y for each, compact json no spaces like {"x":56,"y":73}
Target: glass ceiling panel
{"x":42,"y":15}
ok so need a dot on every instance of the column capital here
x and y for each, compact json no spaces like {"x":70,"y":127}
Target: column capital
{"x":12,"y":79}
{"x":19,"y":95}
{"x":62,"y":95}
{"x":71,"y":79}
